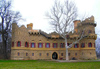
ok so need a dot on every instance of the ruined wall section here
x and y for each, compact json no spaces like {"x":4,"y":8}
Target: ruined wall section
{"x":19,"y":34}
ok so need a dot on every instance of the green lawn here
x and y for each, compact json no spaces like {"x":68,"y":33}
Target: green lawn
{"x":41,"y":64}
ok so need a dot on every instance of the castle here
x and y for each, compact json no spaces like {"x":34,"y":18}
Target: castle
{"x":30,"y":44}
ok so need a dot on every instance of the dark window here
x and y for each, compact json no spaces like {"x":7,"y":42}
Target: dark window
{"x":54,"y":45}
{"x":40,"y":45}
{"x":47,"y":54}
{"x":26,"y":54}
{"x":32,"y":54}
{"x":68,"y":54}
{"x":47,"y":45}
{"x":12,"y":44}
{"x":61,"y":54}
{"x":62,"y":45}
{"x":18,"y":43}
{"x":90,"y":53}
{"x":89,"y":31}
{"x":82,"y":45}
{"x":40,"y":54}
{"x":33,"y":45}
{"x":75,"y":54}
{"x":18,"y":54}
{"x":90,"y":45}
{"x":26,"y":44}
{"x":68,"y":44}
{"x":76,"y":46}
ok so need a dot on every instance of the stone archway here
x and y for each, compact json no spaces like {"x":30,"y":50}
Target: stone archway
{"x":55,"y":56}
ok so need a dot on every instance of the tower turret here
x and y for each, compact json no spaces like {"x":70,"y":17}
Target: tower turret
{"x":29,"y":26}
{"x":76,"y":24}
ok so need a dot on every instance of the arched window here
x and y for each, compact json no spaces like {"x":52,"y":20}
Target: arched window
{"x":89,"y":44}
{"x":26,"y":44}
{"x":18,"y":43}
{"x":12,"y":44}
{"x":82,"y":45}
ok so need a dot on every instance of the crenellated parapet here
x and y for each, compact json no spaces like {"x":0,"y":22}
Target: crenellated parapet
{"x":89,"y":20}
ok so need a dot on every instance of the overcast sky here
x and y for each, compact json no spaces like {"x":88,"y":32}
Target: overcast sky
{"x":34,"y":11}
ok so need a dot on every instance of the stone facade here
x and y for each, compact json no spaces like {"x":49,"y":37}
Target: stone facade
{"x":30,"y":44}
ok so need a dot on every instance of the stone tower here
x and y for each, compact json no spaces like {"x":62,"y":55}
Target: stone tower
{"x":87,"y":28}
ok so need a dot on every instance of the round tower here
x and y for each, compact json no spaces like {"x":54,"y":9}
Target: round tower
{"x":87,"y":44}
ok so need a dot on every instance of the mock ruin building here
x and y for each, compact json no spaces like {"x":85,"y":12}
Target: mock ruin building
{"x":31,"y":44}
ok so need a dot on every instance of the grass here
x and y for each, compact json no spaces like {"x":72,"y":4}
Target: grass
{"x":41,"y":64}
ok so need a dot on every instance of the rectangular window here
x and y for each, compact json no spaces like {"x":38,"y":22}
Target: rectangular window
{"x":76,"y":46}
{"x":47,"y":45}
{"x":75,"y":54}
{"x":26,"y":44}
{"x":47,"y":54}
{"x":32,"y":54}
{"x":18,"y":43}
{"x":82,"y":45}
{"x":68,"y":44}
{"x":40,"y":45}
{"x":89,"y":44}
{"x":18,"y":54}
{"x":33,"y":45}
{"x":68,"y":54}
{"x":54,"y":45}
{"x":62,"y":45}
{"x":40,"y":54}
{"x":61,"y":54}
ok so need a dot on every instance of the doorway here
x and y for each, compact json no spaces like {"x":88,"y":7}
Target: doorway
{"x":55,"y":56}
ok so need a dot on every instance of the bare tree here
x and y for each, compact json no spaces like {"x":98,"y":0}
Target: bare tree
{"x":61,"y":18}
{"x":7,"y":17}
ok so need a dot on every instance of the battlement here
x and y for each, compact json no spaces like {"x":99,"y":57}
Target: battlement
{"x":89,"y":20}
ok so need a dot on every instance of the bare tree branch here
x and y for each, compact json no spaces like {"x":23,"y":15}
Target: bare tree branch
{"x":7,"y":16}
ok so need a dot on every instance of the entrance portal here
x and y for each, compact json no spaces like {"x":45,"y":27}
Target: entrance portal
{"x":54,"y":55}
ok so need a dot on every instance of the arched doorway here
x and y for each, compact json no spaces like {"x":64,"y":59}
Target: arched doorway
{"x":54,"y":55}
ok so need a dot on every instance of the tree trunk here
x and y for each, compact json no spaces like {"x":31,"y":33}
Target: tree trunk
{"x":67,"y":58}
{"x":4,"y":47}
